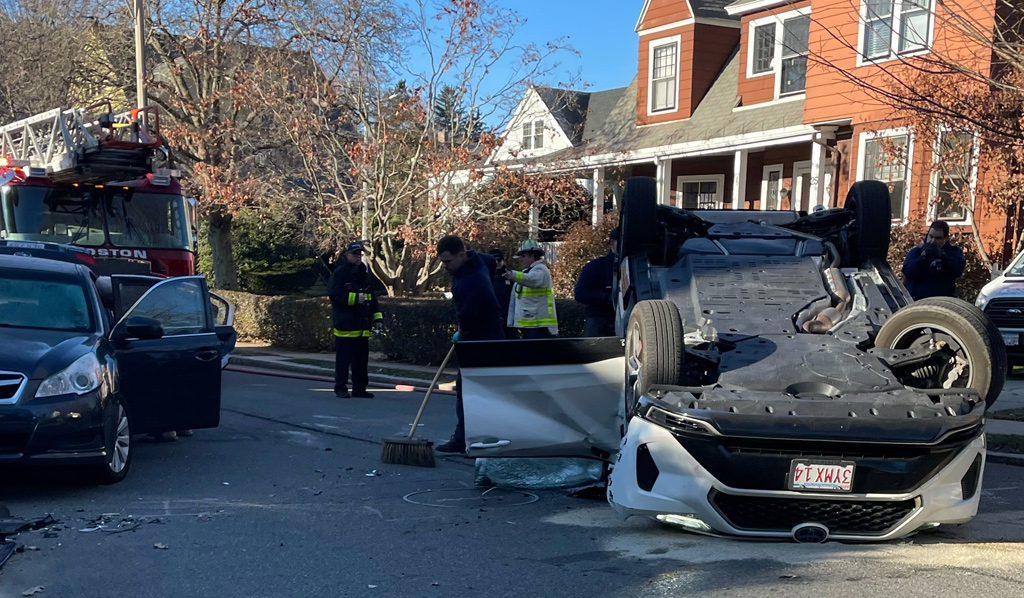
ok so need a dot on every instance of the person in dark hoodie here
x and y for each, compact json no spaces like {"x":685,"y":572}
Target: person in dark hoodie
{"x":594,"y":289}
{"x":931,"y":268}
{"x":354,"y":311}
{"x":502,"y":289}
{"x":477,"y":311}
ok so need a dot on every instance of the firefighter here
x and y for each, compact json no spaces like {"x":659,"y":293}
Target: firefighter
{"x":354,"y":312}
{"x":532,"y":309}
{"x":594,"y":289}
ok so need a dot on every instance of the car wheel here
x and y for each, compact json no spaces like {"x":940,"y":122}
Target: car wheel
{"x":972,"y":353}
{"x":654,"y":349}
{"x":638,"y":216}
{"x":119,"y":447}
{"x":871,"y":206}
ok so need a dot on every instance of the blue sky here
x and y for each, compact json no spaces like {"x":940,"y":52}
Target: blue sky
{"x":600,"y":30}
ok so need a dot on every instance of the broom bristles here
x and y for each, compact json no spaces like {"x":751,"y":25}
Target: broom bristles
{"x":406,"y":451}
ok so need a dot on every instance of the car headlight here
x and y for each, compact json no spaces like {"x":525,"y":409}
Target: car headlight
{"x":84,"y":375}
{"x":981,"y":301}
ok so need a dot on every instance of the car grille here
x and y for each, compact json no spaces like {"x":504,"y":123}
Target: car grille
{"x":10,"y":384}
{"x":1006,"y":312}
{"x":842,"y":517}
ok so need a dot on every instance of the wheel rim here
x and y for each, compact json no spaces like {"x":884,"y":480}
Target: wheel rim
{"x":956,"y":371}
{"x":122,"y":442}
{"x":634,"y":366}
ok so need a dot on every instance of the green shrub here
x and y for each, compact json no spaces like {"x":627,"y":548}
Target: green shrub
{"x":283,"y":277}
{"x":582,"y":243}
{"x":415,"y":330}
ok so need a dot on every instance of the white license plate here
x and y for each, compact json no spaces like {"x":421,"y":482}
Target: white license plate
{"x":821,"y":476}
{"x":1011,"y":340}
{"x":25,"y":245}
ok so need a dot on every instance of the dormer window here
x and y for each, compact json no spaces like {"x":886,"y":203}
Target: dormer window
{"x":764,"y":48}
{"x":664,"y":74}
{"x":533,"y":135}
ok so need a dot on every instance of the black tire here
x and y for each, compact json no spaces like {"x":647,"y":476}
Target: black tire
{"x":118,"y":437}
{"x":872,"y":211}
{"x":638,"y":216}
{"x":980,"y":339}
{"x":654,"y":348}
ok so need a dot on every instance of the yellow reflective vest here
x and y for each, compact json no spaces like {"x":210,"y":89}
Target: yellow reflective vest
{"x":533,"y":300}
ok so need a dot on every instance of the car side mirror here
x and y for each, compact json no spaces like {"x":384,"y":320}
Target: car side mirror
{"x":141,"y":328}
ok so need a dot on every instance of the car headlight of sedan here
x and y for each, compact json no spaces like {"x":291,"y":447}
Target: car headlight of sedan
{"x":981,"y":301}
{"x":86,"y":374}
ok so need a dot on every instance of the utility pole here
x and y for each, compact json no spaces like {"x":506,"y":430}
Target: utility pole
{"x":140,"y":53}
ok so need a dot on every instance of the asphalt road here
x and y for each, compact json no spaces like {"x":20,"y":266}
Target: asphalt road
{"x":277,"y":502}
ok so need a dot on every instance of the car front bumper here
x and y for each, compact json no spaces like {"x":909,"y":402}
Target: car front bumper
{"x":66,"y":429}
{"x":656,"y":476}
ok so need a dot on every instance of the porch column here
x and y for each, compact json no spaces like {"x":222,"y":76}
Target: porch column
{"x":739,"y":179}
{"x":664,"y":179}
{"x":821,"y":172}
{"x":598,"y":195}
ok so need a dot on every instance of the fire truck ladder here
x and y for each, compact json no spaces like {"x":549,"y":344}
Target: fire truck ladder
{"x":72,"y":146}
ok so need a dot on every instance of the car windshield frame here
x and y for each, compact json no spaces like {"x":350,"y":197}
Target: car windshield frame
{"x":37,"y":279}
{"x":1016,"y":267}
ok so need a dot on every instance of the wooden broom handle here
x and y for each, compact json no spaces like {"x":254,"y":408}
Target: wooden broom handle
{"x":423,"y":405}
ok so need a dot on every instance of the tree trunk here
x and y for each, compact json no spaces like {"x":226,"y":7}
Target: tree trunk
{"x":225,"y":274}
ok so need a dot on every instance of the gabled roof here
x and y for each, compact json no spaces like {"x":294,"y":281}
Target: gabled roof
{"x":568,"y":107}
{"x":710,"y":8}
{"x":742,"y":7}
{"x":610,"y":127}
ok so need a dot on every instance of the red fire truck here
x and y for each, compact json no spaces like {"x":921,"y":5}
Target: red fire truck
{"x":86,"y":177}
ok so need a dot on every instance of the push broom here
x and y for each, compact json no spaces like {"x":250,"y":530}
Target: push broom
{"x":407,"y":450}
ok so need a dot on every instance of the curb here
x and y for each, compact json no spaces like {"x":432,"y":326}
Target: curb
{"x":298,"y":373}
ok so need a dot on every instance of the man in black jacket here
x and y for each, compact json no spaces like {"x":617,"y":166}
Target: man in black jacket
{"x":502,"y":288}
{"x":354,"y":311}
{"x":931,"y":268}
{"x":476,"y":310}
{"x":594,"y":289}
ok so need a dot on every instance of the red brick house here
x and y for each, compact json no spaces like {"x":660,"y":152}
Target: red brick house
{"x":733,"y":106}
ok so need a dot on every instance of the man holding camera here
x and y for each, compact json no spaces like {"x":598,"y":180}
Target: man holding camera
{"x":931,"y":268}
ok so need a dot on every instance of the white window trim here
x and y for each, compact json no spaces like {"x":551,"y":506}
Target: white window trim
{"x":884,"y":134}
{"x":797,"y":203}
{"x":704,"y":178}
{"x":764,"y":181}
{"x":933,"y":183}
{"x":664,"y":41}
{"x":776,"y":70}
{"x":893,"y":55}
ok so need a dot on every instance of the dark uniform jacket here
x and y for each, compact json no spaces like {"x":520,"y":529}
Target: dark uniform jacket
{"x":475,"y":304}
{"x":931,"y":272}
{"x":354,"y":306}
{"x":594,"y":286}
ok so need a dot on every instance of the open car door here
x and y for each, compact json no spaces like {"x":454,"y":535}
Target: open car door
{"x":168,"y":353}
{"x":542,"y":398}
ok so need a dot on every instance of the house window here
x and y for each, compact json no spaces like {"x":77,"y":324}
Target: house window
{"x":764,"y":48}
{"x":893,"y":27}
{"x":663,"y":77}
{"x":779,"y":46}
{"x":699,"y":192}
{"x":885,"y":159}
{"x":952,"y":182}
{"x":771,"y":187}
{"x":794,"y":55}
{"x":533,"y":135}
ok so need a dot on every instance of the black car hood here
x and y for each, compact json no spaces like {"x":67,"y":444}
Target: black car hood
{"x":42,"y":353}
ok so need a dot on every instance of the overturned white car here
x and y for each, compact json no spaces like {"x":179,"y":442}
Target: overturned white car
{"x":772,"y":378}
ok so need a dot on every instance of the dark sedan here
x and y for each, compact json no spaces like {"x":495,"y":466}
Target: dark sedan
{"x":88,"y":361}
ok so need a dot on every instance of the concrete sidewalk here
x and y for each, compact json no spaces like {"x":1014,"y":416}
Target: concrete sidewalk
{"x":386,"y":374}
